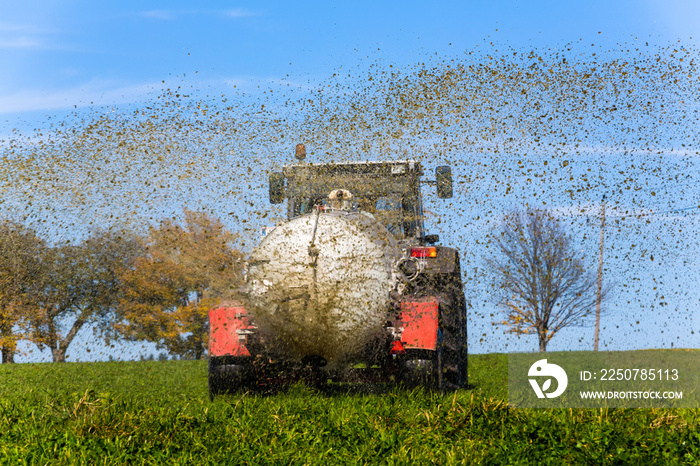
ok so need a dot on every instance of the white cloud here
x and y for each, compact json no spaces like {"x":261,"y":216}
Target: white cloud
{"x":170,"y":15}
{"x":240,"y":13}
{"x":92,"y":93}
{"x":24,"y":29}
{"x":164,"y":15}
{"x":108,"y":92}
{"x":236,"y":82}
{"x":7,"y":27}
{"x":22,"y":42}
{"x":23,"y":36}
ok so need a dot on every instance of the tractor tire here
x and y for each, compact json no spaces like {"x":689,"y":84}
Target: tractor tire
{"x":444,"y":369}
{"x":424,"y":368}
{"x":225,"y":377}
{"x":214,"y":380}
{"x":453,"y":327}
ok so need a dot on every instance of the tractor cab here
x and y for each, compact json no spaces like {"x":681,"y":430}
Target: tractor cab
{"x":390,"y":192}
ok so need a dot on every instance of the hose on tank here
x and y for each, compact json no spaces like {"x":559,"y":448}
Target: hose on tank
{"x":313,"y":253}
{"x":402,"y":265}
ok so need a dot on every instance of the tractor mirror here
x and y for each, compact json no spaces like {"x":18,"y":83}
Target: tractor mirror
{"x":276,"y":188}
{"x":443,"y":175}
{"x":430,"y":239}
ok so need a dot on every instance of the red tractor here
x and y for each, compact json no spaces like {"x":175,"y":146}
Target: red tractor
{"x":349,"y":288}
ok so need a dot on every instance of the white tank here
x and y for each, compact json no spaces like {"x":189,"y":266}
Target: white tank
{"x":320,"y":283}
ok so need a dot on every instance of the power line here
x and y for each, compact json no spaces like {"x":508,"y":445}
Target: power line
{"x":626,"y":214}
{"x":665,"y":211}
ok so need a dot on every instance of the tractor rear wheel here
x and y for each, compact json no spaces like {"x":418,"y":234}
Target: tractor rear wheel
{"x":424,"y":368}
{"x":446,"y":367}
{"x":228,"y":376}
{"x":453,"y":327}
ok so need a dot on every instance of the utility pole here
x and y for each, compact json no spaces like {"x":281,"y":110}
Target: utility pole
{"x":600,"y":275}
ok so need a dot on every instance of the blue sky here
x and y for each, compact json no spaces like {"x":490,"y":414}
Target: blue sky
{"x":57,"y":55}
{"x":75,"y":61}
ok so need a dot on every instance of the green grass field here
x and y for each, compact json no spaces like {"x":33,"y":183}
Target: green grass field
{"x":154,"y":412}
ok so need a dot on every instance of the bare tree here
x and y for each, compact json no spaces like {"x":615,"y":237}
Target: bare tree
{"x":542,"y":283}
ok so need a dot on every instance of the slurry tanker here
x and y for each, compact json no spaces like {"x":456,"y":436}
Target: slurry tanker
{"x":349,"y":288}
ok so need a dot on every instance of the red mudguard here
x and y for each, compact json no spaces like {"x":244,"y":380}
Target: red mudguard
{"x":223,"y":339}
{"x":419,"y":320}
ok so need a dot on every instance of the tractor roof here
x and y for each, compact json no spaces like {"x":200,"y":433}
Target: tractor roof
{"x":360,"y":178}
{"x":387,"y":168}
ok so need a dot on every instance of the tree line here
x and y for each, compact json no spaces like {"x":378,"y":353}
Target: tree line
{"x":158,"y":286}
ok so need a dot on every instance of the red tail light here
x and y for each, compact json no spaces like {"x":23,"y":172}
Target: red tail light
{"x":424,"y":251}
{"x":397,"y":348}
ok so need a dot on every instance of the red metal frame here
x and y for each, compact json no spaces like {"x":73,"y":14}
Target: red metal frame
{"x":419,"y":320}
{"x":223,"y":339}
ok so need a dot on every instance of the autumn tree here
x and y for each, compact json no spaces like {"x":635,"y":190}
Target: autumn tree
{"x":21,"y":251}
{"x":186,"y":269}
{"x":80,"y":286}
{"x":541,"y":281}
